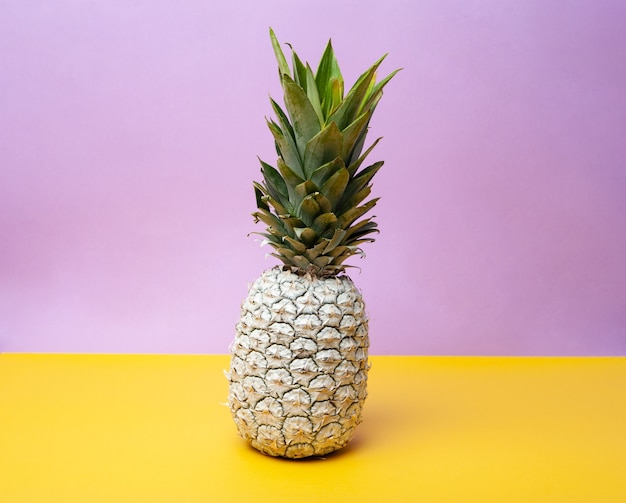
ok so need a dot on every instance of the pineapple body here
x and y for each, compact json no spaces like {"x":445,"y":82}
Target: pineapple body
{"x":298,"y":373}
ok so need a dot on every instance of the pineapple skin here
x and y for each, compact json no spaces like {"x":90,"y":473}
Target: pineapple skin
{"x":299,"y":364}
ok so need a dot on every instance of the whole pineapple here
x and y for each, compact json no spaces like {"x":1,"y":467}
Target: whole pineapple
{"x":298,"y":373}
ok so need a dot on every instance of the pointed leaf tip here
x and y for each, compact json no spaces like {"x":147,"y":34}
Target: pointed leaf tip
{"x":283,"y":67}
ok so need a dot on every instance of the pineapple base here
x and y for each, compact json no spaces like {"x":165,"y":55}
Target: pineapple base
{"x":299,"y":364}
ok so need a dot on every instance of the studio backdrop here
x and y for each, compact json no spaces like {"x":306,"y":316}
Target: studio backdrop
{"x":129,"y":136}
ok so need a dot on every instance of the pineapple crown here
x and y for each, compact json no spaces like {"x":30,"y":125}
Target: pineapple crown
{"x":313,"y":201}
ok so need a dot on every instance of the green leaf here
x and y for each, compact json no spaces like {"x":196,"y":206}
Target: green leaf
{"x":347,"y":218}
{"x":366,"y":175}
{"x":313,"y":253}
{"x":358,"y":242}
{"x":329,"y":80}
{"x":292,"y":180}
{"x":338,"y":251}
{"x":301,"y":262}
{"x":323,"y":148}
{"x":335,"y":98}
{"x":335,"y":241}
{"x":324,"y":172}
{"x":377,"y":91}
{"x":290,"y":224}
{"x":286,"y":140}
{"x":279,"y":209}
{"x":304,"y":189}
{"x":296,"y":245}
{"x":335,"y":186}
{"x":268,"y":219}
{"x":355,"y":199}
{"x":361,"y":229}
{"x":299,"y":70}
{"x":353,"y":166}
{"x":269,"y":239}
{"x":288,"y":174}
{"x":274,"y":128}
{"x":303,"y":117}
{"x":291,"y":221}
{"x":284,"y":120}
{"x":323,"y":201}
{"x":353,"y":133}
{"x":283,"y":67}
{"x":322,"y":261}
{"x":346,"y":254}
{"x":323,"y":222}
{"x":357,"y":184}
{"x":288,"y":253}
{"x":312,"y":93}
{"x":274,"y":182}
{"x":358,"y":147}
{"x":350,"y":107}
{"x":286,"y":147}
{"x":282,"y":258}
{"x":307,"y":235}
{"x":309,"y":209}
{"x":259,"y":193}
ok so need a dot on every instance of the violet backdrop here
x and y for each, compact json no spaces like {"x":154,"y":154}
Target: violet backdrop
{"x":128,"y":140}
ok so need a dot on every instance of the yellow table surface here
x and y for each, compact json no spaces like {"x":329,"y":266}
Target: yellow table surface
{"x":154,"y":428}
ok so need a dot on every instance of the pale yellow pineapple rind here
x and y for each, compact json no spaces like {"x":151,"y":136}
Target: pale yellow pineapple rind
{"x":298,"y":373}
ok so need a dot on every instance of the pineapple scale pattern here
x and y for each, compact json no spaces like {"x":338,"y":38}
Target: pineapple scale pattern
{"x":298,"y":373}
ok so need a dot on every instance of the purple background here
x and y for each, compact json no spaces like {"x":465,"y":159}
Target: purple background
{"x":128,"y":140}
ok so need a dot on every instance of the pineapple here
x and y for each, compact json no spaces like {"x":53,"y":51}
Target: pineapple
{"x":298,"y":372}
